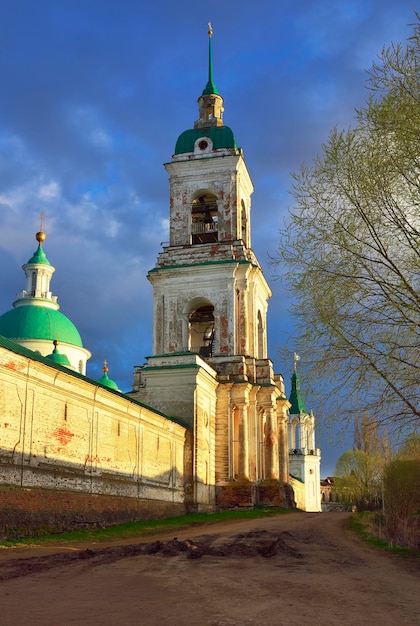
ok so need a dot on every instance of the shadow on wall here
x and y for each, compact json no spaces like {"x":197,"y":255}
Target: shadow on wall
{"x":48,"y":497}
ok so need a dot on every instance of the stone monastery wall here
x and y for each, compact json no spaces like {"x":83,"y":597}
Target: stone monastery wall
{"x":61,"y":431}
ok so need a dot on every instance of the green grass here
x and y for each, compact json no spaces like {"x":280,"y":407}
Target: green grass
{"x":137,"y":529}
{"x":363,"y":525}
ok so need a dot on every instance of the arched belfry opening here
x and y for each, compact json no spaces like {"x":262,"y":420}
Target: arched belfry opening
{"x":201,"y":330}
{"x":204,"y":218}
{"x":294,"y":439}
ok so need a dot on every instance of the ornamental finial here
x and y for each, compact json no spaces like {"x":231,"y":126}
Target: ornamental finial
{"x":210,"y":29}
{"x":41,"y":236}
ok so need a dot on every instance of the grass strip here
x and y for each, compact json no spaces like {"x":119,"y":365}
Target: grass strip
{"x":146,"y":527}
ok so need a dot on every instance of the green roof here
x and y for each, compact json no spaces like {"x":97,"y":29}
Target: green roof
{"x":39,"y":257}
{"x":221,"y":136}
{"x":38,"y":322}
{"x":295,"y":397}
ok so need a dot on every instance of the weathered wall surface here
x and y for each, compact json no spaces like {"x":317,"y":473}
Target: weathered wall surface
{"x":59,"y":430}
{"x":33,"y":512}
{"x":186,"y":385}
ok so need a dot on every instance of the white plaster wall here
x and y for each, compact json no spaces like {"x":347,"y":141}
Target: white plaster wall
{"x":60,"y":430}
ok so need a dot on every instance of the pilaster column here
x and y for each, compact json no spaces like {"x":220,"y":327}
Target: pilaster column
{"x":270,"y":441}
{"x":242,"y":337}
{"x":243,"y":451}
{"x":283,"y":448}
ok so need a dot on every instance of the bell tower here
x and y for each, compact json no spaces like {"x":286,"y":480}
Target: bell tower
{"x":210,"y":366}
{"x":215,"y":303}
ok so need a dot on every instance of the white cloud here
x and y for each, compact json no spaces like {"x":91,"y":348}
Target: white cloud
{"x":49,"y":190}
{"x":112,"y":228}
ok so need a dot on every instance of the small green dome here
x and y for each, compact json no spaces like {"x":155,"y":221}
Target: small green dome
{"x":38,"y":322}
{"x":221,"y":136}
{"x":57,"y":357}
{"x":39,"y":257}
{"x":108,"y":382}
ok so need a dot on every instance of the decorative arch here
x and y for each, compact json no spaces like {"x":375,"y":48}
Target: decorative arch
{"x":204,"y":217}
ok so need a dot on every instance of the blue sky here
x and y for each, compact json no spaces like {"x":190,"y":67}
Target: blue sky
{"x":93,"y":97}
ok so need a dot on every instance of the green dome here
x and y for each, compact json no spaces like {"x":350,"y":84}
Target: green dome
{"x":221,"y":136}
{"x":108,"y":382}
{"x":57,"y":357}
{"x":38,"y":322}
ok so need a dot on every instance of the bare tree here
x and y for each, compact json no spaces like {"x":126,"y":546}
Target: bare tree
{"x":370,"y":438}
{"x":352,"y":251}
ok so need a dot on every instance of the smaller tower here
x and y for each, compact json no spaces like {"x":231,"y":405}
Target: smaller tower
{"x":35,"y":320}
{"x":304,"y":457}
{"x":210,"y":103}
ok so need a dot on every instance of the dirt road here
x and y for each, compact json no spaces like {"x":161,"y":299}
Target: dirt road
{"x":300,"y":568}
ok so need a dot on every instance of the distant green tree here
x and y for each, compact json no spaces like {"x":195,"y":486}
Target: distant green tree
{"x":358,"y":478}
{"x":351,"y":251}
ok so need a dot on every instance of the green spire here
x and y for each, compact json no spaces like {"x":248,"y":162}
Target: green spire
{"x":39,"y":256}
{"x":210,"y":87}
{"x":295,"y":397}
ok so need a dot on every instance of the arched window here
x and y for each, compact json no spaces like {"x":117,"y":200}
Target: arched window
{"x":294,"y":442}
{"x":201,"y":325}
{"x":204,"y":218}
{"x":33,"y":283}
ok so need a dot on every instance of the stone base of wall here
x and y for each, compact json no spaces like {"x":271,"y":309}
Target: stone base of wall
{"x":275,"y":493}
{"x":237,"y":494}
{"x":248,"y":494}
{"x":36,"y":511}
